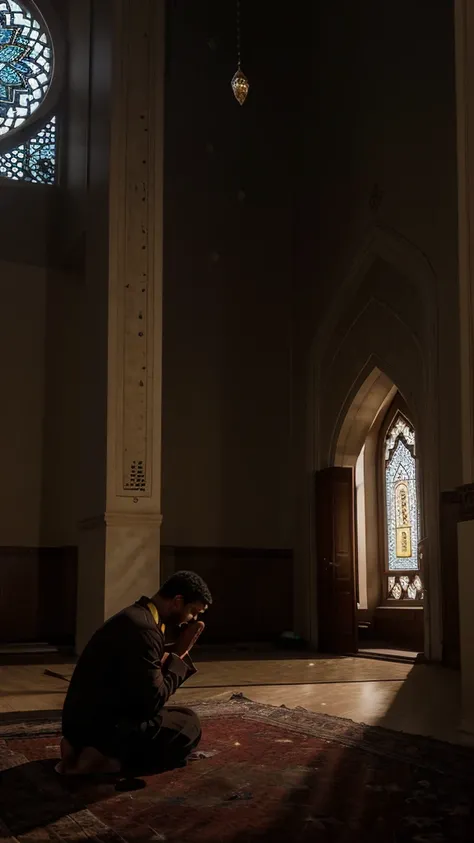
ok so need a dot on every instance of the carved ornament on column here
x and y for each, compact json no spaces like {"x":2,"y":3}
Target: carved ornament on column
{"x":135,"y":281}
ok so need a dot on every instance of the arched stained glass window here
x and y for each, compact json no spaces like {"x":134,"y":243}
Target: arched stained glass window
{"x":26,"y":73}
{"x":402,"y":512}
{"x":34,"y":160}
{"x":26,"y":64}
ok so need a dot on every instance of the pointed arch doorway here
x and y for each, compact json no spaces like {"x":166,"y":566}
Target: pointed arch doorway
{"x":376,"y":457}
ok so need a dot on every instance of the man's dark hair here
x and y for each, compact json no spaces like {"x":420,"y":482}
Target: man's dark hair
{"x":190,"y":585}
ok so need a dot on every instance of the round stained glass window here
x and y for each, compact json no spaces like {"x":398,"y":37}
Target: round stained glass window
{"x":26,"y":64}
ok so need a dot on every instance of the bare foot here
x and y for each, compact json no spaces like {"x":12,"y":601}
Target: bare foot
{"x":68,"y":757}
{"x":89,"y":762}
{"x":93,"y":762}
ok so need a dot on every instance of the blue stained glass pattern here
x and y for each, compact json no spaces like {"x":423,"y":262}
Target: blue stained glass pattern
{"x":401,"y":498}
{"x":34,"y":160}
{"x":26,"y":65}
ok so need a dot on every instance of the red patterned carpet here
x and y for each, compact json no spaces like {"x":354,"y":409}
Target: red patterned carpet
{"x":261,"y":774}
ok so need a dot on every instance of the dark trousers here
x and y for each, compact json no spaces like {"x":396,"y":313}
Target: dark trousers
{"x":162,"y":743}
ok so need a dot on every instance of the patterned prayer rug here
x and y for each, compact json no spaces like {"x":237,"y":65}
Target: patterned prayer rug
{"x":261,"y":774}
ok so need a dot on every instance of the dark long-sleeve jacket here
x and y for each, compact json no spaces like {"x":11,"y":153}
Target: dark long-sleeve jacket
{"x":119,"y":676}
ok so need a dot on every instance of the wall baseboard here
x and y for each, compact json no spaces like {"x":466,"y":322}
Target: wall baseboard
{"x":38,"y":594}
{"x":400,"y":626}
{"x":252,"y":589}
{"x":252,"y":592}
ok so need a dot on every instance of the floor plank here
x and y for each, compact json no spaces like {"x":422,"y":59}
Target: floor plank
{"x":420,"y":699}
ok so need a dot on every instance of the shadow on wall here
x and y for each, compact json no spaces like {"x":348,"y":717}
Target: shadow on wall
{"x":38,"y":594}
{"x":252,"y":590}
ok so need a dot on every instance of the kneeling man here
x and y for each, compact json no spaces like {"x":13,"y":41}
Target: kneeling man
{"x":114,"y":717}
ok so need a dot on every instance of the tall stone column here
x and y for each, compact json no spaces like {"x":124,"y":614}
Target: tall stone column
{"x":122,"y":313}
{"x":464,"y":33}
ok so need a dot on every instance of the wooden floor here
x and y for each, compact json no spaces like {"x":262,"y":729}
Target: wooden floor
{"x":419,"y":699}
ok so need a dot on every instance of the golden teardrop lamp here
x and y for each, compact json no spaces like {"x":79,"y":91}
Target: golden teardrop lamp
{"x":240,"y":84}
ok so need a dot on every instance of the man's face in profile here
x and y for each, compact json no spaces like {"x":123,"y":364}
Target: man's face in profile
{"x":182,"y":612}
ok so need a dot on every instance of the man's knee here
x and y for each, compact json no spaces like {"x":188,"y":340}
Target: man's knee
{"x":195,"y":726}
{"x":192,"y":725}
{"x":184,"y":720}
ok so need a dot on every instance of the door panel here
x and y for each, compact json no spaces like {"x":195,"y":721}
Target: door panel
{"x":335,"y":560}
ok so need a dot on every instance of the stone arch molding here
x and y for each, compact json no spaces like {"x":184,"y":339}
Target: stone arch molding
{"x":374,"y":395}
{"x":377,"y":339}
{"x":397,"y":251}
{"x":363,"y":330}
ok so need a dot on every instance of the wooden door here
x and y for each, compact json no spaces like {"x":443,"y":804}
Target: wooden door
{"x":335,"y":547}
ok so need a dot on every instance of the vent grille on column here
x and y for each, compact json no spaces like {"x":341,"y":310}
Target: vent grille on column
{"x":135,"y":481}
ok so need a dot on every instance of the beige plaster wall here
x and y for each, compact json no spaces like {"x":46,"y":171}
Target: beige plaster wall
{"x":60,"y":482}
{"x":227,"y":315}
{"x":37,"y":373}
{"x":22,"y":336}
